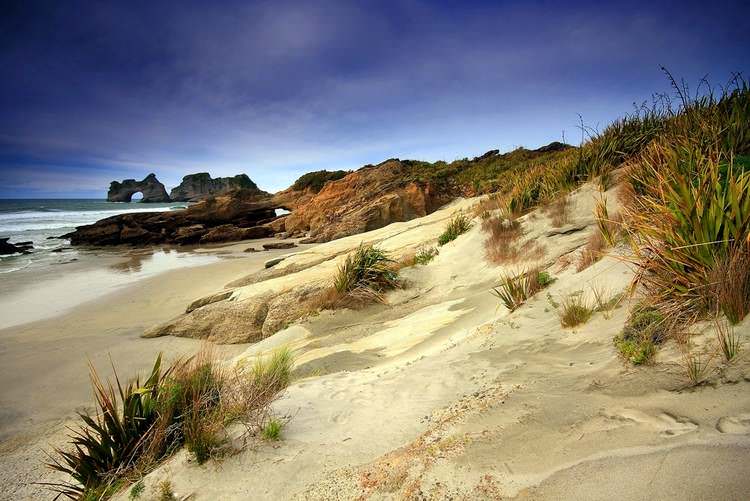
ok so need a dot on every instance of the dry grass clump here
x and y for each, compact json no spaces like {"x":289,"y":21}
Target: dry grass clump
{"x":592,"y":251}
{"x":364,"y":277}
{"x":574,"y":310}
{"x":425,"y":254}
{"x":730,"y":282}
{"x":501,"y":243}
{"x":513,"y":291}
{"x":135,"y":426}
{"x":696,"y":365}
{"x":558,"y":211}
{"x":458,"y":225}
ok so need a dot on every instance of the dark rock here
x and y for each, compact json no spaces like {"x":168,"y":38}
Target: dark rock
{"x":251,"y":249}
{"x":279,"y":245}
{"x":7,"y":248}
{"x":152,"y":189}
{"x":196,"y":187}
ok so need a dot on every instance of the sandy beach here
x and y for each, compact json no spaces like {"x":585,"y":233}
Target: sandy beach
{"x":44,"y":363}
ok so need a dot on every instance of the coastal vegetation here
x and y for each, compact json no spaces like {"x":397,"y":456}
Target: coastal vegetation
{"x":513,"y":291}
{"x":458,"y":225}
{"x":190,"y":403}
{"x":317,"y":179}
{"x":364,"y":276}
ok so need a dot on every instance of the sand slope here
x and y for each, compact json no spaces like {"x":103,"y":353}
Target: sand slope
{"x":444,"y":394}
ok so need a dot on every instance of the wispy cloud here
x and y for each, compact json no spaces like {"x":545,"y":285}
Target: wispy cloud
{"x":278,"y":88}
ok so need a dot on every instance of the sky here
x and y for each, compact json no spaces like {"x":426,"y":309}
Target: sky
{"x":98,"y":91}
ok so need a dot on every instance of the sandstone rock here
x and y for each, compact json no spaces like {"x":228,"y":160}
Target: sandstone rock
{"x":152,"y":189}
{"x":190,"y":234}
{"x":223,"y":322}
{"x":273,"y":261}
{"x":279,"y":245}
{"x":196,"y":187}
{"x":289,"y":307}
{"x":231,"y":233}
{"x":251,"y":249}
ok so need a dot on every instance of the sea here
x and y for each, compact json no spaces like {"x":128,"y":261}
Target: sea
{"x":40,"y":221}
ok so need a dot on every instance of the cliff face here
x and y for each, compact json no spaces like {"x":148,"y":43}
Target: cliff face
{"x":367,"y":199}
{"x":196,"y":187}
{"x":152,"y":189}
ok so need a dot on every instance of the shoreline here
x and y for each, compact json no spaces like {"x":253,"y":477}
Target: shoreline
{"x":43,"y":363}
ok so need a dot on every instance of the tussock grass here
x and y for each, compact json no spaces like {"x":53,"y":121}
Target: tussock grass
{"x":730,"y":282}
{"x":574,"y":310}
{"x":458,"y":225}
{"x":727,"y":339}
{"x":513,"y":291}
{"x":605,"y":300}
{"x":364,"y":276}
{"x":138,"y":424}
{"x":696,"y":366}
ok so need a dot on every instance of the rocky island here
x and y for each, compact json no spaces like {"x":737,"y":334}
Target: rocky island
{"x":198,"y":186}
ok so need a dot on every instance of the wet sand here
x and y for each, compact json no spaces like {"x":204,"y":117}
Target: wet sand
{"x":43,"y":364}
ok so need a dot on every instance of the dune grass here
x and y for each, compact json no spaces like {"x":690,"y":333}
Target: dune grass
{"x":644,"y":330}
{"x":458,"y":225}
{"x":136,"y":425}
{"x":513,"y":291}
{"x":574,"y":310}
{"x":365,"y":276}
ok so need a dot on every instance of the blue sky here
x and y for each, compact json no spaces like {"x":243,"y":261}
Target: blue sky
{"x":96,"y":91}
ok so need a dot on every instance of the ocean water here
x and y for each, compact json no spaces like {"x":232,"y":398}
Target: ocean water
{"x":37,"y":220}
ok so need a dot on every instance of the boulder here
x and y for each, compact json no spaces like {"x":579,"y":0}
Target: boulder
{"x":231,"y":233}
{"x":152,"y":189}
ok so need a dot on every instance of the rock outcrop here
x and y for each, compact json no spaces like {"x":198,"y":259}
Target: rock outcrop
{"x":235,"y":216}
{"x":196,"y":187}
{"x":152,"y":189}
{"x":364,"y":200}
{"x":7,"y":248}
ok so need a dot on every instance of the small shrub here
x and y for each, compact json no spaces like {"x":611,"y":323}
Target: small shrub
{"x":458,"y":225}
{"x":137,"y":490}
{"x":425,"y":255}
{"x":574,"y":310}
{"x":513,"y":291}
{"x":644,"y":330}
{"x":728,"y":340}
{"x":272,"y":430}
{"x":365,"y":275}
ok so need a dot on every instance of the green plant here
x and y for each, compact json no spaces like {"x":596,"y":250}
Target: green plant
{"x":605,"y":301}
{"x":574,"y":310}
{"x":365,"y":275}
{"x":696,"y":366}
{"x":730,"y":282}
{"x":728,"y":340}
{"x":189,"y":403}
{"x":425,"y":255}
{"x":513,"y":291}
{"x":112,"y":440}
{"x":137,"y":490}
{"x":644,"y":330}
{"x":272,"y":430}
{"x":458,"y":225}
{"x":608,"y":227}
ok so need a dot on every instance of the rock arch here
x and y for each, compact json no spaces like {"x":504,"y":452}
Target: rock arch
{"x":150,"y":187}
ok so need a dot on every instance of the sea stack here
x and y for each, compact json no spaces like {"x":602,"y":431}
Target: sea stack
{"x":150,"y":187}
